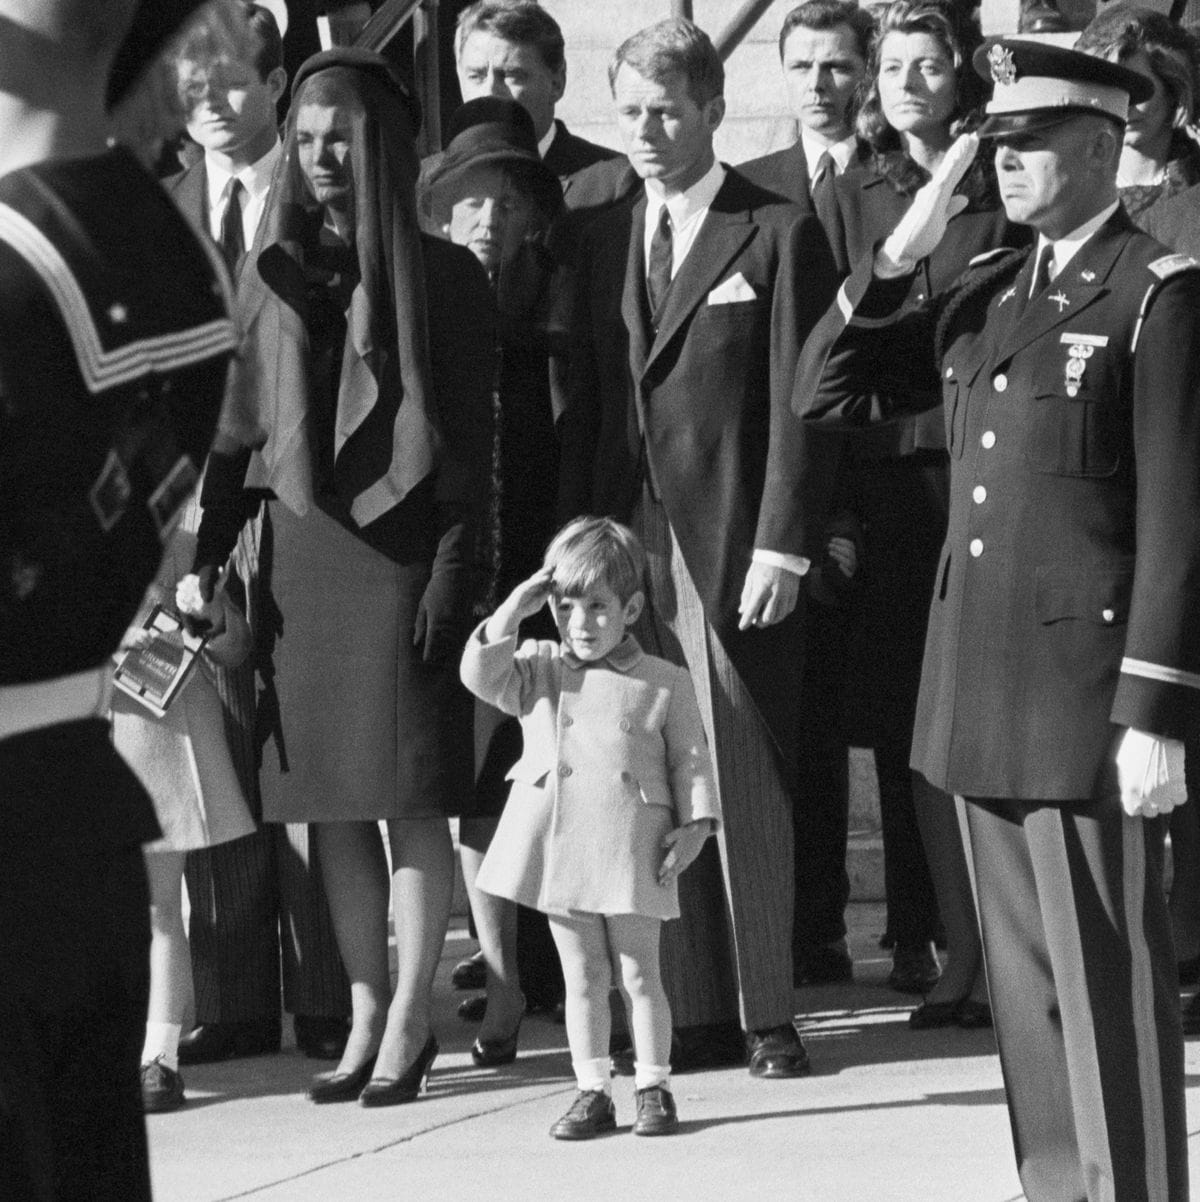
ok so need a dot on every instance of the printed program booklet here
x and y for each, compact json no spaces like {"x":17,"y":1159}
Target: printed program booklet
{"x":154,"y":674}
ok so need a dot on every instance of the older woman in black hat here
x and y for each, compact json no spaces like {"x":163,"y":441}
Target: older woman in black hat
{"x":491,"y":193}
{"x":374,"y":459}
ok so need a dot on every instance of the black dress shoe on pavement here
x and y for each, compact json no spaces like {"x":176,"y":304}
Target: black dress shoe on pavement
{"x":470,"y":973}
{"x":825,"y":964}
{"x":777,"y":1052}
{"x":340,"y":1087}
{"x":707,"y":1045}
{"x":211,"y":1042}
{"x":162,"y":1088}
{"x":391,"y":1091}
{"x":493,"y":1053}
{"x":321,"y":1038}
{"x":655,"y":1112}
{"x":914,"y":968}
{"x":591,"y":1114}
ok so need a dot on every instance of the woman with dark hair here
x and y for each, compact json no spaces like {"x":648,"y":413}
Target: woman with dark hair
{"x":491,"y":193}
{"x":921,"y":93}
{"x":373,"y":440}
{"x":1158,"y":158}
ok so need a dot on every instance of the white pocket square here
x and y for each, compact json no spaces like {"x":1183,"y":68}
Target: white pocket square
{"x":730,"y":291}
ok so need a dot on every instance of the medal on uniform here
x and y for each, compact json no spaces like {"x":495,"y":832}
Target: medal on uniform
{"x":1077,"y":356}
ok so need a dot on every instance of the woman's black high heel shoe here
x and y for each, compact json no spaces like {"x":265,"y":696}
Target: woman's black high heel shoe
{"x":390,"y":1091}
{"x":341,"y":1087}
{"x":492,"y":1053}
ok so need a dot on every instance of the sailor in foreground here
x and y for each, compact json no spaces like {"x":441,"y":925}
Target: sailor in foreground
{"x":1062,"y":664}
{"x":117,"y":337}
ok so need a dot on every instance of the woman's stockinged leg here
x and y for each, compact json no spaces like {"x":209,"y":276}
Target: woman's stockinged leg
{"x":633,"y":940}
{"x":422,"y":890}
{"x":583,"y":949}
{"x":354,"y":873}
{"x":496,"y":926}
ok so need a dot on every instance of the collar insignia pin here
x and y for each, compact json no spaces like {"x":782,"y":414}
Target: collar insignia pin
{"x":1089,"y":276}
{"x":1007,"y":296}
{"x":1004,"y":69}
{"x":1060,"y":300}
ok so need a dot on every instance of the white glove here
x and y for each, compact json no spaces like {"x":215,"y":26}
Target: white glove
{"x":189,"y":600}
{"x":922,"y":227}
{"x":1150,"y":773}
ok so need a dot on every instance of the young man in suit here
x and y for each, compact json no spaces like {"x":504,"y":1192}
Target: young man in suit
{"x":252,"y":897}
{"x":823,"y":48}
{"x":689,"y":305}
{"x":1062,"y":660}
{"x":515,"y":49}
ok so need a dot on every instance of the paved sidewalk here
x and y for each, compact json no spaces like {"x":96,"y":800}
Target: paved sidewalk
{"x":889,"y":1115}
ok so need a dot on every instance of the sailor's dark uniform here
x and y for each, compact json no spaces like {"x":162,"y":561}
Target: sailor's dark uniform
{"x":113,"y":357}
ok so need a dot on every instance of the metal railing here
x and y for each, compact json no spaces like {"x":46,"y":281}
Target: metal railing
{"x":383,"y":27}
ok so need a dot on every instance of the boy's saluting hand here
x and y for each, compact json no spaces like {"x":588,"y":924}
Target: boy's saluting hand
{"x":523,"y":602}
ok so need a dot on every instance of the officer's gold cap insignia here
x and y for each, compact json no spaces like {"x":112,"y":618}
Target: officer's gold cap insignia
{"x":1004,"y":68}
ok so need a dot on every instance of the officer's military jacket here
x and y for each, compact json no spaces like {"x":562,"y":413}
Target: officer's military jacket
{"x":1067,"y":599}
{"x":116,"y":340}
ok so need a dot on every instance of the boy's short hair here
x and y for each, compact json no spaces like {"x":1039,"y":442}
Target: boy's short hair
{"x":673,"y":47}
{"x":522,"y":22}
{"x":589,"y":552}
{"x":822,"y":15}
{"x":265,"y":45}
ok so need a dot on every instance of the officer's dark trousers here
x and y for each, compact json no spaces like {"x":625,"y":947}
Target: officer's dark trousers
{"x":74,"y":984}
{"x":1082,"y":977}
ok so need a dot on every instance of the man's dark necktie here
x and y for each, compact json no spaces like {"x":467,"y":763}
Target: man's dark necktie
{"x":658,"y":271}
{"x":822,"y":180}
{"x":233,"y":242}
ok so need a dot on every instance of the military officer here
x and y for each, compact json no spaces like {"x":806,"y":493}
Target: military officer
{"x":1062,"y":664}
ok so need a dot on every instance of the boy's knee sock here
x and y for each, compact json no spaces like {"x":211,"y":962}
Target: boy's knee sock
{"x":593,"y":1074}
{"x":647,"y":1075}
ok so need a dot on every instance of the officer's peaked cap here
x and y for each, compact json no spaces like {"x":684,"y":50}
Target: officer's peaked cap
{"x":1038,"y":84}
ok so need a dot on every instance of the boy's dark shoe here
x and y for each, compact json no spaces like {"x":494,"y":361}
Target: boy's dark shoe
{"x":162,"y":1088}
{"x":655,"y":1112}
{"x":591,"y":1114}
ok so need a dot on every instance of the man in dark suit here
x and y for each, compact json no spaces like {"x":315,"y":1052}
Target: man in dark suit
{"x":688,"y":306}
{"x":823,"y":48}
{"x":515,"y":49}
{"x":1062,"y":662}
{"x":258,"y":895}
